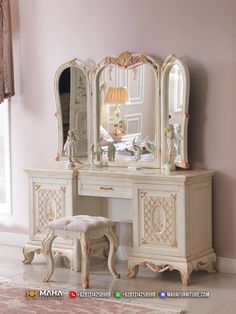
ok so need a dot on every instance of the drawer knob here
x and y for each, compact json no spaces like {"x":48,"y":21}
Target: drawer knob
{"x":107,"y":188}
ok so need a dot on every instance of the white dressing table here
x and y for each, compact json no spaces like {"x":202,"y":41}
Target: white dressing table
{"x":172,"y":220}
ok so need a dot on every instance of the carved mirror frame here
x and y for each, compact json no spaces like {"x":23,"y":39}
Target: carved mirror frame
{"x":170,"y":61}
{"x":85,"y":69}
{"x":127,"y":60}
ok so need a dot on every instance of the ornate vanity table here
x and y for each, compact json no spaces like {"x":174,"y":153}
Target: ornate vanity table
{"x":171,"y":210}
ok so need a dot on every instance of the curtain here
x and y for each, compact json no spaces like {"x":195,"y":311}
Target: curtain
{"x":6,"y":61}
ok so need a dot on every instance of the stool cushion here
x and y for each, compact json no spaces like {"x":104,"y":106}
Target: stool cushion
{"x":80,"y":223}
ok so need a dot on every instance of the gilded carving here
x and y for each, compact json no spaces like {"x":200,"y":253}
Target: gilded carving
{"x":37,"y":187}
{"x":28,"y":256}
{"x":63,"y":189}
{"x":133,"y":270}
{"x":126,"y":59}
{"x":38,"y":251}
{"x":158,"y":268}
{"x":174,"y":244}
{"x":143,"y":241}
{"x":143,"y":194}
{"x":207,"y":262}
{"x":170,"y":59}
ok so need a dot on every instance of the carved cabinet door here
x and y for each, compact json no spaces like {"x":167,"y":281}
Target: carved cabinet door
{"x":157,"y":219}
{"x":49,"y":201}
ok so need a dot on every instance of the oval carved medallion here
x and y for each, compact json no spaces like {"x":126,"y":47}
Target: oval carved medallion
{"x":158,"y":219}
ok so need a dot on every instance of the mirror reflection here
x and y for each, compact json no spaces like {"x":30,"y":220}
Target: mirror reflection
{"x":175,"y":104}
{"x":126,"y":105}
{"x":175,"y":89}
{"x":73,"y":100}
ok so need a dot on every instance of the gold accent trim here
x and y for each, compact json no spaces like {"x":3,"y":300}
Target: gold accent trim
{"x":143,"y":241}
{"x":37,"y":187}
{"x":108,"y":188}
{"x":170,"y":59}
{"x":174,"y":244}
{"x":143,"y":194}
{"x":63,"y":189}
{"x":126,"y":59}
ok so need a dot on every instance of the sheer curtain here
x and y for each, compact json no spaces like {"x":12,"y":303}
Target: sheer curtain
{"x":6,"y":62}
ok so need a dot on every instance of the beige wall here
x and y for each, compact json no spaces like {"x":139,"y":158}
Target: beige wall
{"x":50,"y":32}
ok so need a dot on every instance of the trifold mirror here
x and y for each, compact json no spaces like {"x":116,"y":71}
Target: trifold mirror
{"x":129,"y":110}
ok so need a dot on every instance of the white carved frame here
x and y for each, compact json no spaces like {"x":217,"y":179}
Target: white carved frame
{"x":85,"y":69}
{"x":127,"y":60}
{"x":165,"y":70}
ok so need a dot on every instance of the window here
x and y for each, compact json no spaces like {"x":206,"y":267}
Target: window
{"x":5,"y":190}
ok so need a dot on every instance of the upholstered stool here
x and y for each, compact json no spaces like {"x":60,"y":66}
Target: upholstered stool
{"x":84,"y":228}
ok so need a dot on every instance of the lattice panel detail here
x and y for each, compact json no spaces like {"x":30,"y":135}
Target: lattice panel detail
{"x":82,"y":129}
{"x":159,"y":219}
{"x":50,"y":206}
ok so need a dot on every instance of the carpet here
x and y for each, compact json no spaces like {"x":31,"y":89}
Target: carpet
{"x":13,"y":300}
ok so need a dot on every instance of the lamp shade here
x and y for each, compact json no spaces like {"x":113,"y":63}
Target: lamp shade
{"x":117,"y":95}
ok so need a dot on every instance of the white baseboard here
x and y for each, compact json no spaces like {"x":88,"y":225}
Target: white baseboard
{"x":226,"y":265}
{"x":13,"y":239}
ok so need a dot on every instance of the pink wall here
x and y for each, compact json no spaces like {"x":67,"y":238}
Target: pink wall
{"x":49,"y":32}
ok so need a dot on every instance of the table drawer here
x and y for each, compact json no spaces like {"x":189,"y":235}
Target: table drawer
{"x":105,"y":188}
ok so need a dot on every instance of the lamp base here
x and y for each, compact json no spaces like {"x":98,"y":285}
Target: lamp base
{"x":116,"y":131}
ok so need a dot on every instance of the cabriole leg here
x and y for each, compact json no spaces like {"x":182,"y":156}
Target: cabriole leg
{"x":113,"y":246}
{"x":47,"y":251}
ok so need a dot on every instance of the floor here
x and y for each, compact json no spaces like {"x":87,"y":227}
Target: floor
{"x":222,"y":287}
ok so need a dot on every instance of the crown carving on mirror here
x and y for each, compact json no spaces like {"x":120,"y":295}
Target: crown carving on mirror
{"x":80,"y":97}
{"x":126,"y":59}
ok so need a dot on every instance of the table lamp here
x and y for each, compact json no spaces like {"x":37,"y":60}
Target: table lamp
{"x":117,"y":96}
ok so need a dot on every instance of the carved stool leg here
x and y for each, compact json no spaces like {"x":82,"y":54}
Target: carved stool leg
{"x":113,"y":246}
{"x":84,"y":243}
{"x":47,"y":251}
{"x":75,"y":265}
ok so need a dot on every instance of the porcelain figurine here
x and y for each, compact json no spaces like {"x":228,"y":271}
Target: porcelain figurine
{"x":148,"y":144}
{"x":111,"y":151}
{"x":70,"y":148}
{"x":171,"y":148}
{"x":100,"y":152}
{"x":137,"y":149}
{"x":178,"y":139}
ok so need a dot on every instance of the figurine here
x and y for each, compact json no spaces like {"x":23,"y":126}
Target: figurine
{"x":70,"y":148}
{"x":148,"y":144}
{"x":92,"y":155}
{"x":171,"y":149}
{"x":137,"y":149}
{"x":178,"y":139}
{"x":100,"y":152}
{"x":111,"y":151}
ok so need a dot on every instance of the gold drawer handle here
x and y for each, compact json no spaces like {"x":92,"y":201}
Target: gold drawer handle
{"x":109,"y":188}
